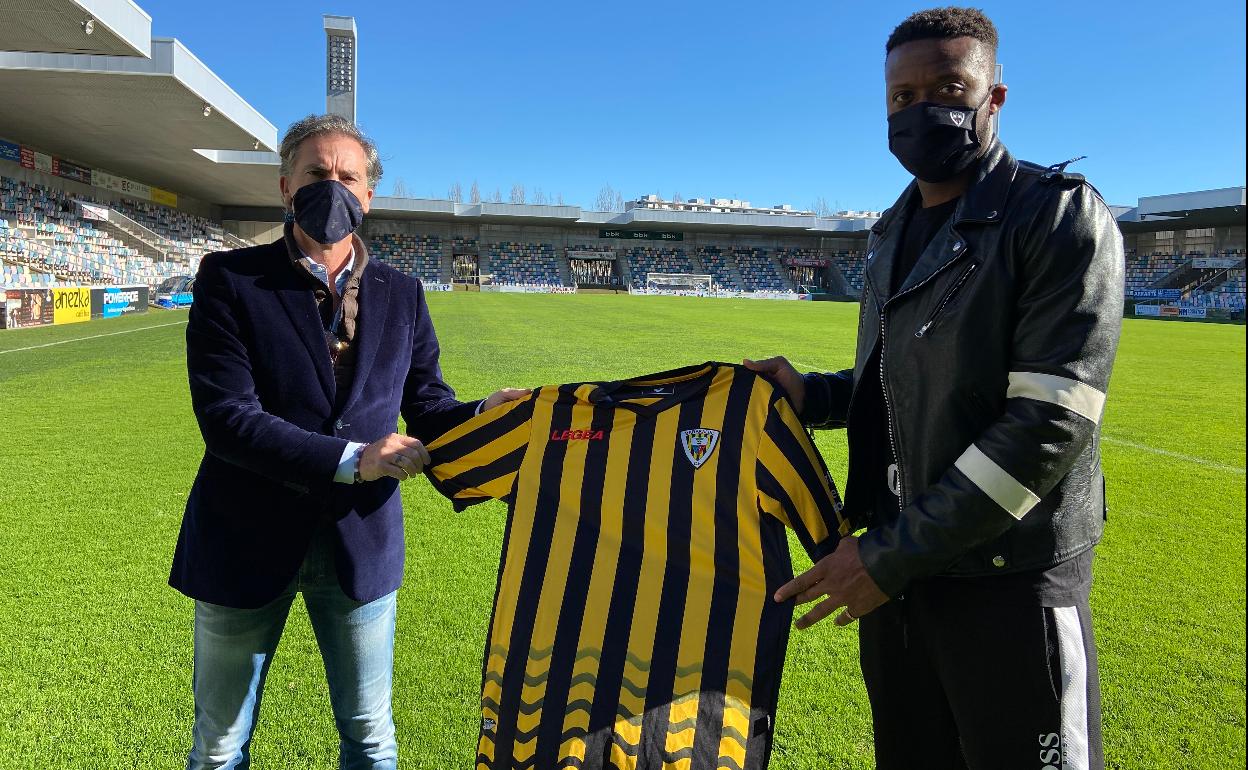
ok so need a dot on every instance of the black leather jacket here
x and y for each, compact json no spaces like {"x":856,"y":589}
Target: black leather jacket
{"x":996,"y":354}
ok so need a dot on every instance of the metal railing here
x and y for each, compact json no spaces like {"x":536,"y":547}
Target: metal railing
{"x":236,"y":242}
{"x":142,"y":233}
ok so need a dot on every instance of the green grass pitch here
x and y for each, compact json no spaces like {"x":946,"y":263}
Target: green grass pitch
{"x":98,"y":448}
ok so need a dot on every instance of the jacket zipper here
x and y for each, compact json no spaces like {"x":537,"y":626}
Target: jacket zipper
{"x":888,"y":418}
{"x":888,"y":410}
{"x":931,"y":319}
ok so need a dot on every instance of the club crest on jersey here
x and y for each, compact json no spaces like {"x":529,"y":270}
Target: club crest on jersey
{"x":699,"y":444}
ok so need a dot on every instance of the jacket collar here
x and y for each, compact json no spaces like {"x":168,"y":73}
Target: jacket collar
{"x":984,"y":200}
{"x":982,"y":204}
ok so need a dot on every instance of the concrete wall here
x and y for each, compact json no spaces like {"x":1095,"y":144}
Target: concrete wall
{"x":256,"y":232}
{"x":1224,"y":239}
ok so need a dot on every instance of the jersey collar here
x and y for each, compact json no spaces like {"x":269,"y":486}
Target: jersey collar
{"x":653,"y":393}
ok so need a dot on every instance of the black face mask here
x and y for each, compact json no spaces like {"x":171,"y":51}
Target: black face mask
{"x":327,"y":211}
{"x":935,"y":142}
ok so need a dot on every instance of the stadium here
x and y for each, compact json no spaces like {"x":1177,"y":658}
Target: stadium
{"x":104,"y":222}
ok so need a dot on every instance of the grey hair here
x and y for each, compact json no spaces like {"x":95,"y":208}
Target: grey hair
{"x":319,"y":125}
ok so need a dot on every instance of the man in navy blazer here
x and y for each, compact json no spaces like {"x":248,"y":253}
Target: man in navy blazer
{"x":302,"y":354}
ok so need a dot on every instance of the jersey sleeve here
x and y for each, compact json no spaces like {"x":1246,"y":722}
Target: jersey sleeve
{"x":794,"y":484}
{"x":479,"y":459}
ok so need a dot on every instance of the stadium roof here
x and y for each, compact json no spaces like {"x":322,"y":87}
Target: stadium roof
{"x":634,"y":219}
{"x":106,"y":27}
{"x":165,"y":120}
{"x":1181,"y":211}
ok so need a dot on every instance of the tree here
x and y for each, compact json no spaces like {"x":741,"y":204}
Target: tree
{"x":676,"y":198}
{"x":400,"y":189}
{"x":456,"y":193}
{"x":821,"y":207}
{"x":605,"y":200}
{"x":498,"y":196}
{"x":474,"y":195}
{"x":539,"y":197}
{"x":618,"y":204}
{"x":559,"y":199}
{"x":517,"y":193}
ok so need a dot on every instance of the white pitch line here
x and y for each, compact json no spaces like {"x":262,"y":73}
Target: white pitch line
{"x":799,"y":366}
{"x":92,"y":337}
{"x":1176,"y":455}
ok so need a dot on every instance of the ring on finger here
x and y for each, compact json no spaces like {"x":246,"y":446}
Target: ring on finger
{"x":849,"y":615}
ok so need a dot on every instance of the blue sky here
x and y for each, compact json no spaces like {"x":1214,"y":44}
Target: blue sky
{"x":768,"y":102}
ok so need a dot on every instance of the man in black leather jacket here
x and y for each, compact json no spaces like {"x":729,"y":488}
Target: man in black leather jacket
{"x":989,"y":321}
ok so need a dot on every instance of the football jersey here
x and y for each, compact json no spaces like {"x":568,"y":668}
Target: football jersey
{"x":633,"y":622}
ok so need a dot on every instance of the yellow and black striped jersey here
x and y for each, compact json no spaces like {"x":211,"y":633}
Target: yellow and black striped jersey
{"x":633,"y":624}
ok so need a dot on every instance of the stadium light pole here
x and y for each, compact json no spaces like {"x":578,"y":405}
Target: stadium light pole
{"x":340,"y":71}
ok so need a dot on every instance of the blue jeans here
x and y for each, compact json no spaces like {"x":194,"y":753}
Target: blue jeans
{"x":233,"y":650}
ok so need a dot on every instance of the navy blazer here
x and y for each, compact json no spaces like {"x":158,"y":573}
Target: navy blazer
{"x":262,"y":388}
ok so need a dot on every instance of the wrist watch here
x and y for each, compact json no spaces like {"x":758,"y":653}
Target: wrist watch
{"x":356,"y":467}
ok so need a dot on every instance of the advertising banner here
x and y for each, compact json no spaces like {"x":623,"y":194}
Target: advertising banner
{"x":67,"y":170}
{"x":438,"y":286}
{"x":116,"y":300}
{"x":71,"y":306}
{"x":10,"y":151}
{"x":43,"y":162}
{"x":1148,"y":310}
{"x":641,"y":235}
{"x":807,"y":262}
{"x":1169,"y":311}
{"x":120,"y":184}
{"x":1213,"y":263}
{"x":522,"y":288}
{"x":164,"y":197}
{"x":1193,"y":312}
{"x":135,"y":189}
{"x":27,"y":307}
{"x":1155,"y":293}
{"x":27,"y":158}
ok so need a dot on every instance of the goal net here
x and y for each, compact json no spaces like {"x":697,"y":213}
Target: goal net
{"x":678,"y":283}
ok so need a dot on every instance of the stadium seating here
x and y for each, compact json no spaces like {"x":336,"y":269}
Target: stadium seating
{"x":1229,"y":295}
{"x":190,"y":236}
{"x":418,"y":255}
{"x":648,"y":259}
{"x":1145,"y":270}
{"x":721,"y":267}
{"x":525,"y":264}
{"x":47,"y":243}
{"x":852,"y":266}
{"x":758,"y":271}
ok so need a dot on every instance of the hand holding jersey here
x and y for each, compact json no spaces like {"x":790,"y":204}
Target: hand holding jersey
{"x":840,"y":575}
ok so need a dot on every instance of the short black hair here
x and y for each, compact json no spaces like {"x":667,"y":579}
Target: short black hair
{"x":942,"y":24}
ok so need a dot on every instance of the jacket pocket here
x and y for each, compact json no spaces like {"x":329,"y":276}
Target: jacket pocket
{"x":957,"y":285}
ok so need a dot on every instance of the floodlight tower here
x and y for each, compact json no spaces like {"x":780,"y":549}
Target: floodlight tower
{"x":340,"y":60}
